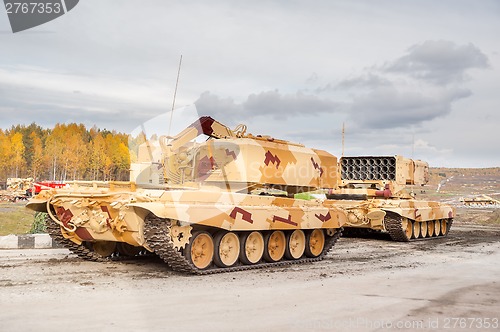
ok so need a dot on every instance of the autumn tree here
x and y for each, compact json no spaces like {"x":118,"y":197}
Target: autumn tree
{"x":65,"y":152}
{"x":5,"y":155}
{"x":17,"y":146}
{"x":37,"y":158}
{"x":97,"y":156}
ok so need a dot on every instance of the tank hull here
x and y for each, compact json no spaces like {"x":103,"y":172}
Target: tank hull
{"x":98,"y":221}
{"x":404,"y":219}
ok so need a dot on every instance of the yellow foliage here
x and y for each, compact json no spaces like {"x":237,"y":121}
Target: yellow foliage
{"x":65,"y":152}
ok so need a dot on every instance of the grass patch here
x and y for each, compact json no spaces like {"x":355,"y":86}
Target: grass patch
{"x":15,"y":218}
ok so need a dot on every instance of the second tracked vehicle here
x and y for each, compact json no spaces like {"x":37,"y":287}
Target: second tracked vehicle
{"x":386,"y":183}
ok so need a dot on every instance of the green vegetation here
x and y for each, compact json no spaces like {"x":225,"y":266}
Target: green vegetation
{"x":15,"y":219}
{"x":39,"y":225}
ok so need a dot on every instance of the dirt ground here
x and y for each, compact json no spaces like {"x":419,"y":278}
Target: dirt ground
{"x":368,"y":284}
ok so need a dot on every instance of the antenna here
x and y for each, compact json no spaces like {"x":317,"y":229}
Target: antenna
{"x":343,"y":139}
{"x":175,"y":94}
{"x":413,"y":145}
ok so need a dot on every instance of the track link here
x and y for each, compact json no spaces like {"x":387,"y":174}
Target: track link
{"x":393,"y":225}
{"x":80,"y":250}
{"x":156,"y":231}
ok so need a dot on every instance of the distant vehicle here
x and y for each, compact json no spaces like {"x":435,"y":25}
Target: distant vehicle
{"x":17,"y":189}
{"x":480,"y":201}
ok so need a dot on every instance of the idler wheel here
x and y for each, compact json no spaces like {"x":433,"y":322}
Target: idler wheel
{"x":315,"y":243}
{"x":295,"y":244}
{"x":275,"y":244}
{"x":252,"y":247}
{"x":227,"y":249}
{"x":444,"y":228}
{"x":407,"y":227}
{"x":200,"y":250}
{"x":104,"y":248}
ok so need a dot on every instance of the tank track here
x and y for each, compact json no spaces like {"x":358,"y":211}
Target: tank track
{"x":393,"y":225}
{"x":156,"y":231}
{"x":81,"y":250}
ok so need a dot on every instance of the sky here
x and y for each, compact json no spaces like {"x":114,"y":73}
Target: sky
{"x":417,"y":78}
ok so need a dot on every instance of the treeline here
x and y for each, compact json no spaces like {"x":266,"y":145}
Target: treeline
{"x":65,"y":152}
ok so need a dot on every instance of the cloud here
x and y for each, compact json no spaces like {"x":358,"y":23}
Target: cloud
{"x":266,"y":103}
{"x":367,"y":81}
{"x":417,"y":87}
{"x":439,"y":61}
{"x":213,"y":105}
{"x":389,"y":107}
{"x":32,"y":94}
{"x":404,"y":93}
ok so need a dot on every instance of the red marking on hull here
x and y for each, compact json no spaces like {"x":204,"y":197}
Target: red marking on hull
{"x":204,"y":125}
{"x":245,"y":215}
{"x":205,"y":166}
{"x":325,"y":217}
{"x":417,"y":214}
{"x":316,"y":166}
{"x":64,"y":215}
{"x":231,"y":153}
{"x":83,"y":234}
{"x":270,"y":158}
{"x":286,"y":221}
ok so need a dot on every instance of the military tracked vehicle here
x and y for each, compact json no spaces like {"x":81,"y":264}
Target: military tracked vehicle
{"x":482,"y":201}
{"x":17,"y":189}
{"x":223,"y":204}
{"x":237,"y":201}
{"x":386,"y":183}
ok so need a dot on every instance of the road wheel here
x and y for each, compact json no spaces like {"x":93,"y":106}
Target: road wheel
{"x":275,"y":244}
{"x":430,"y":228}
{"x":437,"y":227}
{"x":407,"y":227}
{"x":315,"y":243}
{"x":423,"y":229}
{"x":416,"y":229}
{"x":104,"y":248}
{"x":200,"y":250}
{"x":252,"y":247}
{"x":444,"y":227}
{"x":227,"y":249}
{"x":295,"y":244}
